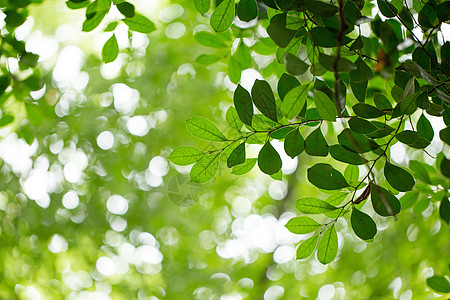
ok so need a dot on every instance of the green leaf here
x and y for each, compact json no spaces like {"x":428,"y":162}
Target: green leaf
{"x":328,"y":246}
{"x":209,"y":40}
{"x":420,"y":170}
{"x":243,"y":104}
{"x":320,"y":8}
{"x":294,"y":101}
{"x":387,"y":9}
{"x":444,"y":209}
{"x":407,"y":137}
{"x":344,"y":65}
{"x":127,"y":9}
{"x":357,"y":44}
{"x":34,"y":112}
{"x":232,"y":119}
{"x":222,"y":17}
{"x":185,"y":155}
{"x":269,"y":160}
{"x":381,"y":101}
{"x":91,"y":23}
{"x":351,"y":174}
{"x":361,"y":126}
{"x":203,"y":128}
{"x":294,"y":144}
{"x":207,"y":59}
{"x":444,"y":134}
{"x":302,"y":225}
{"x":110,"y":50}
{"x":340,"y":153}
{"x":237,"y":157}
{"x":424,"y":128}
{"x":384,"y":203}
{"x":326,"y":177}
{"x":247,"y":10}
{"x":362,"y":71}
{"x":323,"y":37}
{"x":408,"y":106}
{"x":306,"y":248}
{"x":439,"y":283}
{"x":311,"y":205}
{"x":205,"y":169}
{"x":281,"y":133}
{"x":398,"y":178}
{"x":202,"y":6}
{"x":325,"y":106}
{"x":140,"y":24}
{"x":264,"y":100}
{"x":356,"y":142}
{"x":294,"y":65}
{"x":367,"y":111}
{"x":245,"y":167}
{"x":359,"y":90}
{"x":315,"y":144}
{"x":278,"y":32}
{"x":110,"y":27}
{"x":6,"y":119}
{"x":445,"y":167}
{"x":363,"y":225}
{"x":285,"y":84}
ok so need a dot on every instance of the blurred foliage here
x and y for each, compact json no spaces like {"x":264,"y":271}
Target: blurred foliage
{"x":90,"y":207}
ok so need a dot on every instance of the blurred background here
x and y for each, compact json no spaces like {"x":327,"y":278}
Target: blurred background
{"x":90,"y":207}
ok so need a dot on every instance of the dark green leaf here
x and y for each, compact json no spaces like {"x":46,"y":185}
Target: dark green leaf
{"x":237,"y":157}
{"x":407,"y":137}
{"x":294,"y":101}
{"x":323,"y":37}
{"x":203,"y":128}
{"x":439,"y":283}
{"x":325,"y":106}
{"x":340,"y":153}
{"x":294,"y":144}
{"x":408,"y":106}
{"x":285,"y":84}
{"x":444,"y":134}
{"x":302,"y":225}
{"x":205,"y":169}
{"x":264,"y":100}
{"x":306,"y":248}
{"x":361,"y":125}
{"x":222,"y":17}
{"x":363,"y":225}
{"x":367,"y":111}
{"x":445,"y":167}
{"x":110,"y":50}
{"x":315,"y":144}
{"x":444,"y":209}
{"x":185,"y":155}
{"x":245,"y":167}
{"x":311,"y":205}
{"x":387,"y":9}
{"x":359,"y":90}
{"x":295,"y":65}
{"x":320,"y":8}
{"x":278,"y":32}
{"x":269,"y":160}
{"x":328,"y":246}
{"x":281,"y":133}
{"x":326,"y":177}
{"x":384,"y":203}
{"x":424,"y":128}
{"x":140,"y":24}
{"x":356,"y":142}
{"x":381,"y":101}
{"x":127,"y":9}
{"x":243,"y":104}
{"x":344,"y":65}
{"x":362,"y":71}
{"x":357,"y":44}
{"x":247,"y":10}
{"x":398,"y":178}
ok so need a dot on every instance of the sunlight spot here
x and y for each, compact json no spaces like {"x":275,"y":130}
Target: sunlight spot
{"x":118,"y":224}
{"x":149,"y":254}
{"x":248,"y":78}
{"x":138,"y":126}
{"x":274,"y":292}
{"x":36,"y":95}
{"x":284,"y":254}
{"x":170,"y":13}
{"x":175,"y":30}
{"x":105,"y":266}
{"x":105,"y":140}
{"x":326,"y":292}
{"x":57,"y":244}
{"x":125,"y":98}
{"x":277,"y":190}
{"x":68,"y":65}
{"x":70,"y":200}
{"x":159,"y":166}
{"x":112,"y":70}
{"x":398,"y":153}
{"x":117,"y":204}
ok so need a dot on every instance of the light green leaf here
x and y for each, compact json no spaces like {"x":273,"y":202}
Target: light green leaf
{"x":233,"y":119}
{"x":202,"y":6}
{"x":185,"y":155}
{"x":203,"y":128}
{"x":328,"y":246}
{"x":294,"y":65}
{"x":309,"y":205}
{"x":306,"y":248}
{"x":207,"y":59}
{"x":302,"y":225}
{"x":140,"y":24}
{"x":245,"y":167}
{"x":205,"y":169}
{"x":294,"y":101}
{"x":110,"y":50}
{"x":222,"y":17}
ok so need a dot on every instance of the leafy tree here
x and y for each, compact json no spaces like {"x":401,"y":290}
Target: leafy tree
{"x":356,"y":82}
